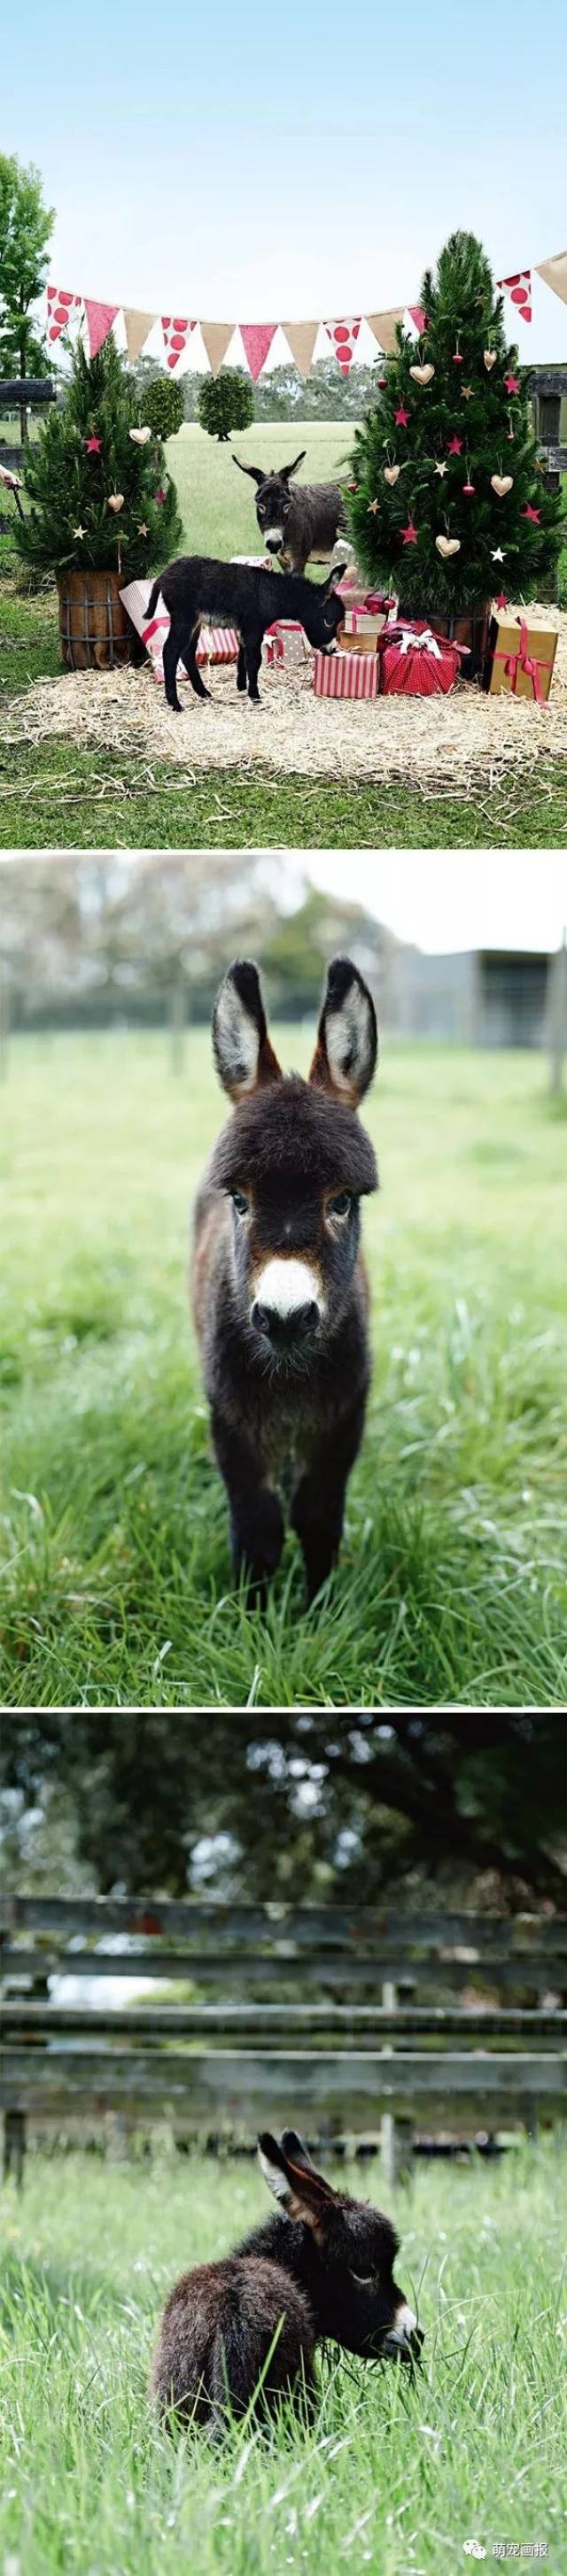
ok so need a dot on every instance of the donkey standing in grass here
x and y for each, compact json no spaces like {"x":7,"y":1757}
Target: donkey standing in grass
{"x":296,"y":520}
{"x":323,"y":2270}
{"x":280,"y":1295}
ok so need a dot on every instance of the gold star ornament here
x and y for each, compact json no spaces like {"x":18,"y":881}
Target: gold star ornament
{"x":466,"y":391}
{"x":79,"y":532}
{"x":373,"y":506}
{"x":142,"y":531}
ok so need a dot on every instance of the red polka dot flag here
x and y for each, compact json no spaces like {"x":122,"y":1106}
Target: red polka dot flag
{"x":343,"y":337}
{"x":60,"y":306}
{"x":176,"y":331}
{"x":519,"y":289}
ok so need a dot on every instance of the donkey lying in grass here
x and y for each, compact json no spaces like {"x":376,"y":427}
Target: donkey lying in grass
{"x":295,"y":520}
{"x":242,"y":2332}
{"x":280,"y":1294}
{"x":240,"y":595}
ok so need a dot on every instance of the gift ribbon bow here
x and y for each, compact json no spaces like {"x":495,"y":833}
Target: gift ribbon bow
{"x":411,"y":643}
{"x":524,"y":661}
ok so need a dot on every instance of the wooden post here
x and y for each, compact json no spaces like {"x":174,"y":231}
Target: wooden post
{"x":558,"y":1019}
{"x":14,"y":2146}
{"x":395,"y":2134}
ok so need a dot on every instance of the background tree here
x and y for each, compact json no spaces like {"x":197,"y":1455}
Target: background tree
{"x":87,"y":454}
{"x":26,"y":225}
{"x":472,"y":1807}
{"x":449,"y":504}
{"x":225,"y":402}
{"x":164,"y":406}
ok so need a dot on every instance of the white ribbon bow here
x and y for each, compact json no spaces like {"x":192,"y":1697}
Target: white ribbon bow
{"x":413,"y":643}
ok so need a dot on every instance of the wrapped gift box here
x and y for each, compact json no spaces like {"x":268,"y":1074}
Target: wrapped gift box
{"x":216,"y":643}
{"x":415,"y":663}
{"x":285,"y":642}
{"x":345,"y":675}
{"x":362,"y":628}
{"x":520,"y":658}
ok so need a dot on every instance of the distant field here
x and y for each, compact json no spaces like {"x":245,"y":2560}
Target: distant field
{"x":395,"y":2476}
{"x":452,"y":1583}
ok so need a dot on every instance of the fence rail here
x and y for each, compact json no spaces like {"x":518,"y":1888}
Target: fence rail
{"x":340,"y":1981}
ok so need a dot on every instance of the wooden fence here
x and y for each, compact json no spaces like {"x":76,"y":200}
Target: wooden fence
{"x":348,"y":2022}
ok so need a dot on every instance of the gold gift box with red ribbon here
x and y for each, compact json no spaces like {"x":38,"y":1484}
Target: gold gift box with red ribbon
{"x":520,"y":658}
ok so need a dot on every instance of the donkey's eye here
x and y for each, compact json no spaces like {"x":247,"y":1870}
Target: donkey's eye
{"x":340,"y":1205}
{"x":239,"y":1202}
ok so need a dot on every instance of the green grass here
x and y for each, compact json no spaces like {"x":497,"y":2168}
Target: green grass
{"x":452,"y":1580}
{"x":393,"y":2476}
{"x":63,"y":796}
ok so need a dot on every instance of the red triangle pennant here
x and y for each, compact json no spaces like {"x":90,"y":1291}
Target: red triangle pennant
{"x":176,"y":331}
{"x":100,"y":318}
{"x":257,"y":341}
{"x":60,"y":306}
{"x":419,"y":316}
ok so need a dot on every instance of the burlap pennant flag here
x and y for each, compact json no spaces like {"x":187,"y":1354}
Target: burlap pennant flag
{"x":216,"y":337}
{"x":554,"y":273}
{"x":301,"y":337}
{"x":384,"y":326}
{"x":137,"y":326}
{"x":100,"y":318}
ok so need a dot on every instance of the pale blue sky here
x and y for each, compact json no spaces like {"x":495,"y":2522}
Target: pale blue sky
{"x":248,"y":160}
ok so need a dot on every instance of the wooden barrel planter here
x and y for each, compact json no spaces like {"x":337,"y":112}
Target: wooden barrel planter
{"x":94,"y":628}
{"x":471,"y":633}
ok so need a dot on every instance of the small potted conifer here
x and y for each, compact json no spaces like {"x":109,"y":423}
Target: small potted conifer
{"x":102,"y":508}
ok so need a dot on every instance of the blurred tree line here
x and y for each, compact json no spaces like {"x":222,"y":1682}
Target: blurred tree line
{"x":286,"y":1805}
{"x":146,"y":940}
{"x":285,"y":395}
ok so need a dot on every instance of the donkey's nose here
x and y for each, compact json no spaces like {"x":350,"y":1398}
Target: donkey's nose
{"x":285,"y":1328}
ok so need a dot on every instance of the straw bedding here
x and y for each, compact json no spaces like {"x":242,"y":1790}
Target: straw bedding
{"x":452,"y":744}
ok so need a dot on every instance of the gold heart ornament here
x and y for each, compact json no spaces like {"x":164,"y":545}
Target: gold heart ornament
{"x":501,"y":483}
{"x":422,"y":375}
{"x":448,"y":546}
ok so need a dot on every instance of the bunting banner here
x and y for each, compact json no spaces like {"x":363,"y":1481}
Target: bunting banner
{"x":519,"y":289}
{"x":341,"y":334}
{"x":343,"y":338}
{"x":554,"y":274}
{"x":137,"y":326}
{"x":100,"y":318}
{"x":60,"y":306}
{"x":176,"y":331}
{"x":384,"y":326}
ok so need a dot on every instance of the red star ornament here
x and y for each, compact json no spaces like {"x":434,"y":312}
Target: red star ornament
{"x":454,"y":446}
{"x":401,"y":417}
{"x":410,"y":534}
{"x":528,"y":513}
{"x":512,"y":384}
{"x":93,"y":445}
{"x":502,"y":600}
{"x":161,"y":495}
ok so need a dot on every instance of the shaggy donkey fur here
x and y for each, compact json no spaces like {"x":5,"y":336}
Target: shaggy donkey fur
{"x":237,"y":595}
{"x":279,"y":1289}
{"x":298,"y":522}
{"x":323,"y":2270}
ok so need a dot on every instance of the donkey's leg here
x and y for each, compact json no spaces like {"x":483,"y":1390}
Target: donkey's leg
{"x":174,"y":651}
{"x":317,"y":1511}
{"x":191,"y":665}
{"x":253,"y":650}
{"x":241,"y":681}
{"x":256,"y":1518}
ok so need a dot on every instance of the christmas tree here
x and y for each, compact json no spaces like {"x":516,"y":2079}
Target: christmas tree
{"x":449,"y":506}
{"x":100,"y":497}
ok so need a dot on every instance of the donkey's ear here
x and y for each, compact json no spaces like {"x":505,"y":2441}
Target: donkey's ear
{"x":293,"y":2146}
{"x":256,"y":471}
{"x":347,"y":1037}
{"x":243,"y":1055}
{"x":286,"y":470}
{"x":299,"y":2190}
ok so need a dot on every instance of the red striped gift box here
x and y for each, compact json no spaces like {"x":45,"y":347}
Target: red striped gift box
{"x":345,"y":675}
{"x":216,"y":643}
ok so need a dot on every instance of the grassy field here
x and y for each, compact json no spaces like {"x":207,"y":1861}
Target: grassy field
{"x":63,"y":795}
{"x":452,"y":1585}
{"x":393,"y":2475}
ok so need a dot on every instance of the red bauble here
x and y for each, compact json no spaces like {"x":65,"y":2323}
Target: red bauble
{"x":469,"y":487}
{"x":458,"y":361}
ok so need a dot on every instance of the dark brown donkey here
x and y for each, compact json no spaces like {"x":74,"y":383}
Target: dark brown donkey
{"x":280,"y":1294}
{"x":323,"y":2270}
{"x":296,"y":520}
